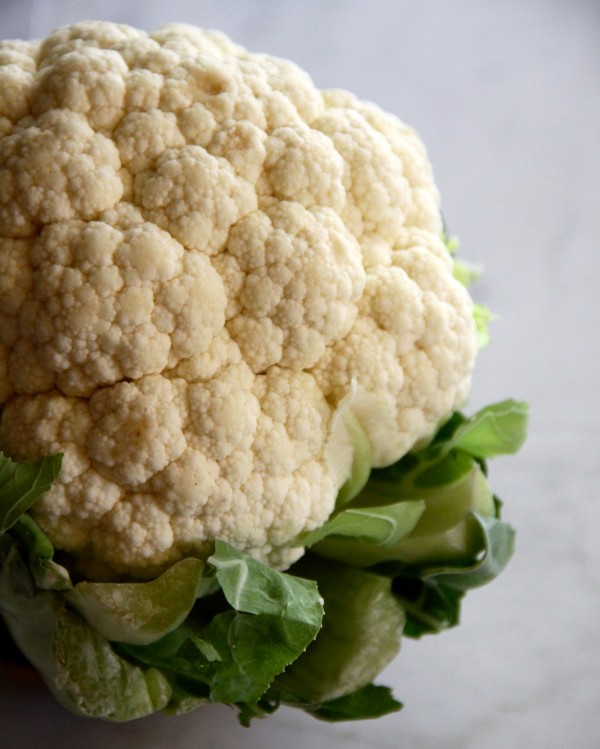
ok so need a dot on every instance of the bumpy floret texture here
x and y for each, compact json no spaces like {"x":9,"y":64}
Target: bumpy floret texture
{"x":200,"y":255}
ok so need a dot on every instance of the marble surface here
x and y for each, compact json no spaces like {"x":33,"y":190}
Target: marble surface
{"x":506,"y":95}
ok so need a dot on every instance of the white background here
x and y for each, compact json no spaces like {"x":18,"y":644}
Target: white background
{"x":506,"y":95}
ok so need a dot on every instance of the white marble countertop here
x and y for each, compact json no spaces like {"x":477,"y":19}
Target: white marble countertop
{"x":507,"y":97}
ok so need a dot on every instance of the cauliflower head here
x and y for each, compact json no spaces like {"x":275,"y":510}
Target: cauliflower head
{"x":200,"y":254}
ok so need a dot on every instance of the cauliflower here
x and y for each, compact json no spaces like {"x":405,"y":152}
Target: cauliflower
{"x":201,"y":254}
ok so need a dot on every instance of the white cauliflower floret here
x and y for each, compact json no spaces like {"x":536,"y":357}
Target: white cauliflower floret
{"x":137,"y":430}
{"x":298,"y":279}
{"x":88,"y":80}
{"x":143,"y":136}
{"x":109,"y":304}
{"x":17,"y":62}
{"x":53,"y":168}
{"x":200,"y":457}
{"x":421,"y":209}
{"x":303,"y":165}
{"x":201,"y":256}
{"x":376,"y":189}
{"x":195,"y":196}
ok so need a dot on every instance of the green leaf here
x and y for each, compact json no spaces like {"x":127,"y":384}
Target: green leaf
{"x":238,"y":653}
{"x":140,"y":613}
{"x":364,"y":536}
{"x":361,"y":634}
{"x":432,"y":595}
{"x":177,"y":652}
{"x":361,"y":462}
{"x":48,"y":575}
{"x":348,"y":452}
{"x":448,"y":468}
{"x":79,"y":667}
{"x":444,"y":530}
{"x":449,"y":476}
{"x":499,"y":429}
{"x":254,"y":588}
{"x":371,"y":701}
{"x":21,"y":484}
{"x":430,"y":606}
{"x":253,"y":650}
{"x":483,"y":317}
{"x":447,"y":532}
{"x":498,"y":542}
{"x":377,"y":526}
{"x":465,"y":273}
{"x":100,"y":683}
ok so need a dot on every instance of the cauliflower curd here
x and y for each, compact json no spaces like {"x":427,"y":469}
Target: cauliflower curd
{"x":200,"y":254}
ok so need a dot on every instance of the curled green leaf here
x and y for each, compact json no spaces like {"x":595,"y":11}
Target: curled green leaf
{"x":79,"y":666}
{"x":498,"y":429}
{"x":363,"y":536}
{"x":254,"y":588}
{"x":140,"y":613}
{"x":48,"y":574}
{"x":498,"y":545}
{"x":361,"y":634}
{"x":22,"y":484}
